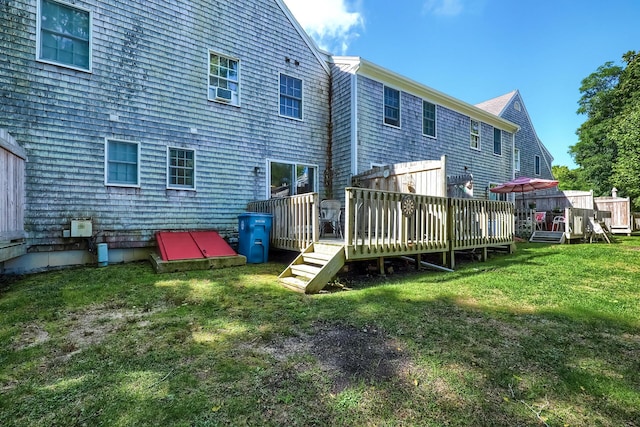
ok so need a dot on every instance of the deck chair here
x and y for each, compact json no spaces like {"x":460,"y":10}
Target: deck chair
{"x":541,"y":220}
{"x":597,"y":231}
{"x":330,"y":213}
{"x":558,"y":224}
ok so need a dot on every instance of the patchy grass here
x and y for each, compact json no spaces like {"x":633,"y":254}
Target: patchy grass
{"x":549,"y":335}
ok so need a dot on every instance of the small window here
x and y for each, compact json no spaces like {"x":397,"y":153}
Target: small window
{"x":516,"y":159}
{"x":290,"y":97}
{"x":289,"y":179}
{"x":428,"y":119}
{"x":122,"y":163}
{"x":475,"y":134}
{"x":537,"y":165}
{"x":497,"y":141}
{"x":502,"y":197}
{"x":181,"y":167}
{"x":64,"y":33}
{"x":224,"y":79}
{"x":391,"y":106}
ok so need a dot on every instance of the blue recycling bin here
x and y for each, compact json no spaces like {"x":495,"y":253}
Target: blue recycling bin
{"x":253,"y":236}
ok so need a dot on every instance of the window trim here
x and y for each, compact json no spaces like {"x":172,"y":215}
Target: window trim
{"x":435,"y":120}
{"x":472,"y":134}
{"x":384,"y":107}
{"x":495,"y":132}
{"x":302,"y":97}
{"x":106,"y":163}
{"x":536,"y":165}
{"x":499,"y":197}
{"x":175,"y":186}
{"x":516,"y":159}
{"x":39,"y":37}
{"x":235,"y":103}
{"x":269,"y":161}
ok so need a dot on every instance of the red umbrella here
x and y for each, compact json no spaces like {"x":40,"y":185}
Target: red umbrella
{"x":524,"y":184}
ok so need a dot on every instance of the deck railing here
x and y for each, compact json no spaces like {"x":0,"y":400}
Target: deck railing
{"x":480,"y":223}
{"x":383,"y":223}
{"x":295,"y":220}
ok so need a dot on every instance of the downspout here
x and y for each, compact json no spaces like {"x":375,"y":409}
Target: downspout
{"x":354,"y":124}
{"x":328,"y":172}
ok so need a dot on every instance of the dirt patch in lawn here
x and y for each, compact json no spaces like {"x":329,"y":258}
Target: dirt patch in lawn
{"x":349,"y":355}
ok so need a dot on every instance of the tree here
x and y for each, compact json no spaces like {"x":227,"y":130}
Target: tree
{"x":570,"y":179}
{"x":595,"y":151}
{"x":609,"y":140}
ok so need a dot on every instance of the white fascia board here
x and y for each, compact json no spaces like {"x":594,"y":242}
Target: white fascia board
{"x":385,"y":76}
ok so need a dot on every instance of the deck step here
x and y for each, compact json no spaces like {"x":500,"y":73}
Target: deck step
{"x":316,"y":258}
{"x":547,"y":237}
{"x":305,"y":270}
{"x":294,"y":283}
{"x":313,"y":268}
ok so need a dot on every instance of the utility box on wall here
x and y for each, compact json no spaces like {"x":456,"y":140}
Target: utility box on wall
{"x":81,"y":228}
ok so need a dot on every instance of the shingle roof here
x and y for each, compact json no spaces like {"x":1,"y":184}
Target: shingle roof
{"x":497,"y":105}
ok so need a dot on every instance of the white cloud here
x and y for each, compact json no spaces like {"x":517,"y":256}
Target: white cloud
{"x":443,"y":7}
{"x":329,"y":22}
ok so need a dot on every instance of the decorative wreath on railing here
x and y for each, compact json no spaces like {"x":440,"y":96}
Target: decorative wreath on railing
{"x":408,"y":205}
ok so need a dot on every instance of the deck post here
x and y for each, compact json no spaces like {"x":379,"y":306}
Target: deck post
{"x":381,"y":266}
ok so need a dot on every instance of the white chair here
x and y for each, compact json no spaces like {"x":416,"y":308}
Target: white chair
{"x":558,"y":223}
{"x":330,"y":213}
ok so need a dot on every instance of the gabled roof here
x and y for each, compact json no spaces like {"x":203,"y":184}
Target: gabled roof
{"x":358,"y":65}
{"x":497,"y":105}
{"x":320,"y":55}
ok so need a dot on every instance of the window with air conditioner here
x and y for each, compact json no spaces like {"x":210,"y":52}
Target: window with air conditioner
{"x":224,"y":79}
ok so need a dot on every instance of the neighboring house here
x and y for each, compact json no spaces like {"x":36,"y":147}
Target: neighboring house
{"x":144,"y":115}
{"x":531,"y":157}
{"x":380,"y":117}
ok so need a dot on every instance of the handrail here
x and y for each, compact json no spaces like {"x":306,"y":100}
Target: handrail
{"x":384,"y":223}
{"x":295,"y":220}
{"x":479,"y":223}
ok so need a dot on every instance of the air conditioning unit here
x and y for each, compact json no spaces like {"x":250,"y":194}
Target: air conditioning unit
{"x":223,"y":94}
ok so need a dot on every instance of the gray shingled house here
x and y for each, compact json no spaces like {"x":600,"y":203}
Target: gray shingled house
{"x":138,"y":116}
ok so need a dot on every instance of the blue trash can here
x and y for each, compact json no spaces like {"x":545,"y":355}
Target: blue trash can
{"x":253,"y":236}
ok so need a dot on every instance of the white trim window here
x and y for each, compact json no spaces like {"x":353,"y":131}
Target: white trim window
{"x":497,"y":142}
{"x":289,"y":179}
{"x":122,"y":163}
{"x":428,"y":119}
{"x":474,"y":130}
{"x":391,"y":107}
{"x":537,"y":165}
{"x":64,"y":35}
{"x":516,"y":159}
{"x":224,"y":79}
{"x":290,"y":97}
{"x":502,"y":197}
{"x":181,"y":168}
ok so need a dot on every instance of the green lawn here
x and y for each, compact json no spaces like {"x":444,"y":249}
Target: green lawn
{"x":549,"y":335}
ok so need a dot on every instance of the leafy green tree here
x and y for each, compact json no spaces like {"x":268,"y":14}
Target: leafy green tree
{"x":595,"y":151}
{"x":570,"y":179}
{"x":609,"y":140}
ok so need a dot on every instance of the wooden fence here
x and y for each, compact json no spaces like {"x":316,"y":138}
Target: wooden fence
{"x":295,"y":220}
{"x":12,"y":197}
{"x":621,"y":221}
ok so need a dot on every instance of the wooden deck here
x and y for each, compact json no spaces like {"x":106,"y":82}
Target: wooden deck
{"x":384,"y":224}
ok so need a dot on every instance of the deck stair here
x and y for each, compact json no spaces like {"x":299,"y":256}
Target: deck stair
{"x":541,"y":236}
{"x":314,"y":267}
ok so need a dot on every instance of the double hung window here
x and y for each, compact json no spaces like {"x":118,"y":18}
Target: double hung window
{"x":391,"y":106}
{"x":181,"y":167}
{"x":64,"y":35}
{"x":122,"y":163}
{"x":290,"y":97}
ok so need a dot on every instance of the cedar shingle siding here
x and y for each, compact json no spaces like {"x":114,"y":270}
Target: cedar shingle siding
{"x":149,"y":85}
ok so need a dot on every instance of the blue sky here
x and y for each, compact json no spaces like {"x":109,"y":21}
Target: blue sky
{"x":476,"y":50}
